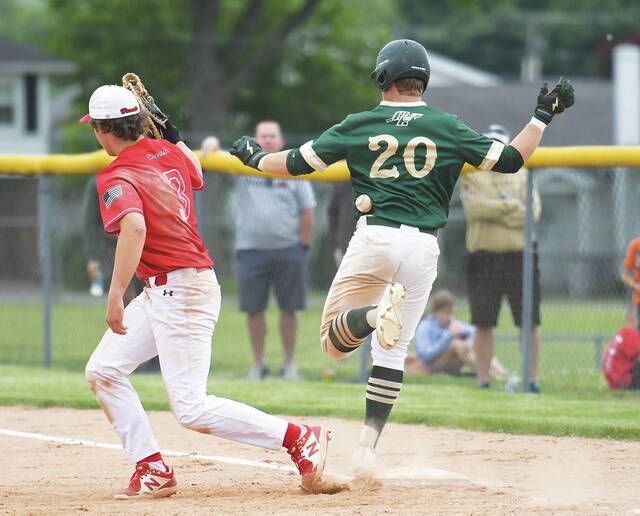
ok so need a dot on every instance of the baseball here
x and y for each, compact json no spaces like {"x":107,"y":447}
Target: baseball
{"x":363,"y":203}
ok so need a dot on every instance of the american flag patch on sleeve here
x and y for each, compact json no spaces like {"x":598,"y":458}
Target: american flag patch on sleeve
{"x":112,"y":193}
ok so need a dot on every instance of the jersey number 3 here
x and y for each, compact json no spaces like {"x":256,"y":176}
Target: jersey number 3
{"x":177,"y":183}
{"x":409,"y":156}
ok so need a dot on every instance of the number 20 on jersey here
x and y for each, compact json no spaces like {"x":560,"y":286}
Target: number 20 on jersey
{"x":408,"y":155}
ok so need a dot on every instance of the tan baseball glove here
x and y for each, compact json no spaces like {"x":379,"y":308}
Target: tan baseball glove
{"x":159,"y":124}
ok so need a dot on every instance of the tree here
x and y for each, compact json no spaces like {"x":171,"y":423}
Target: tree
{"x":24,"y":21}
{"x":221,"y":66}
{"x":201,"y":57}
{"x":494,"y":35}
{"x":323,"y":73}
{"x":570,"y":37}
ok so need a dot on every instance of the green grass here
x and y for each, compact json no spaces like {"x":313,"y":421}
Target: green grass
{"x":443,"y":401}
{"x":77,"y":327}
{"x":575,"y":399}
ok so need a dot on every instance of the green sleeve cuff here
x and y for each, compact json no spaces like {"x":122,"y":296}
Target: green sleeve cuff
{"x":510,"y":161}
{"x":296,"y":164}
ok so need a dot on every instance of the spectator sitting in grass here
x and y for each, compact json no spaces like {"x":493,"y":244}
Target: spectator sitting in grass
{"x":443,"y":344}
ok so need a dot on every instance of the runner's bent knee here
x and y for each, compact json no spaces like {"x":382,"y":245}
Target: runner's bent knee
{"x":331,"y":351}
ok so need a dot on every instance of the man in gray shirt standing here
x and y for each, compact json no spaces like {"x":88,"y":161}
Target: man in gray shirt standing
{"x":273,"y":231}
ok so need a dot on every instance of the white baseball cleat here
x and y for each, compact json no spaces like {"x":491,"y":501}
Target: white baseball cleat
{"x":363,"y":460}
{"x":389,"y":321}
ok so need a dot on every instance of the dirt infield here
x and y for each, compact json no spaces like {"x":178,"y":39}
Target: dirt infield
{"x":428,"y":471}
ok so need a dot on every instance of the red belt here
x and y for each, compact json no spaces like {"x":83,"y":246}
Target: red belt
{"x":161,"y":279}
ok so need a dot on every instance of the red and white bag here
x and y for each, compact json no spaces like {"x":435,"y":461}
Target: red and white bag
{"x":621,"y":357}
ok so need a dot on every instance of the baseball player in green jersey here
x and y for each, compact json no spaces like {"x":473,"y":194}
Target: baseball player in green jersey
{"x":404,"y":158}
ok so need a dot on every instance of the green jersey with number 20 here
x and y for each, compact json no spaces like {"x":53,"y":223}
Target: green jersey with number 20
{"x":406,"y":156}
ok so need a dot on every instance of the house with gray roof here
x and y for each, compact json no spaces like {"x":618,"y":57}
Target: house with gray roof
{"x":446,"y":73}
{"x":510,"y":104}
{"x":25,"y":97}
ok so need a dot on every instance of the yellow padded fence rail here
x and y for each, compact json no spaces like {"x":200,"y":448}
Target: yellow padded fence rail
{"x":75,"y":164}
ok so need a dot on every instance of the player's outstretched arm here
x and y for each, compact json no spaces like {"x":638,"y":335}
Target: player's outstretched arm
{"x":249,"y":151}
{"x":317,"y":154}
{"x":275,"y":162}
{"x":550,"y":103}
{"x":285,"y":163}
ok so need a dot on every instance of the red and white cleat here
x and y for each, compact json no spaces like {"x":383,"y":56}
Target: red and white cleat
{"x":149,"y":483}
{"x":309,"y":453}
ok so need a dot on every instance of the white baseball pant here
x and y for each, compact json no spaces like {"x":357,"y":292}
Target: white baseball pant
{"x":377,"y":256}
{"x":176,"y":322}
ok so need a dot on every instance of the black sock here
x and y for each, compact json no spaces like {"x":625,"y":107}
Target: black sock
{"x":349,"y":329}
{"x":383,"y":389}
{"x":357,"y":322}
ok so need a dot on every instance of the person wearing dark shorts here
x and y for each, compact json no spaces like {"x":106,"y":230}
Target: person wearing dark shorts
{"x":494,"y":206}
{"x":258,"y":269}
{"x":493,"y":276}
{"x":274,"y":225}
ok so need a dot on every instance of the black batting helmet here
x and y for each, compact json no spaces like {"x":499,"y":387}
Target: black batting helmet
{"x":400,"y":59}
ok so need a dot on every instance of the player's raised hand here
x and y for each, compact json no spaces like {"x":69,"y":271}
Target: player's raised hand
{"x":115,"y":314}
{"x":247,"y":150}
{"x":551,"y":103}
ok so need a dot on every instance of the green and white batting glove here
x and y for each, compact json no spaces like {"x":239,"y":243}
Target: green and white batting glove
{"x":551,"y":103}
{"x":247,"y":150}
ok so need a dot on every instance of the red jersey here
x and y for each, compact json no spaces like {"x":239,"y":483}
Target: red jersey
{"x":620,"y":357}
{"x":156,"y":179}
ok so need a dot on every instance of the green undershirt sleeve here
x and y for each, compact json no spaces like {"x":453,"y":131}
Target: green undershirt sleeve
{"x":510,"y":161}
{"x":296,"y":164}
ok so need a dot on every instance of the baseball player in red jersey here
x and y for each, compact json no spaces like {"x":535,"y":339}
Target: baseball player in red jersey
{"x":146,"y":198}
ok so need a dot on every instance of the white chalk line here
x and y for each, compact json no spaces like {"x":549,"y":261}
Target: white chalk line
{"x":397,"y":475}
{"x":169,"y":453}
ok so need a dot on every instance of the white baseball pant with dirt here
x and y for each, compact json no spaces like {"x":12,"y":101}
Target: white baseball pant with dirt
{"x":377,"y":256}
{"x":176,"y":322}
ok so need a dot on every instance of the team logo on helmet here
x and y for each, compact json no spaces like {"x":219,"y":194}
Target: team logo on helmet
{"x":402,"y":118}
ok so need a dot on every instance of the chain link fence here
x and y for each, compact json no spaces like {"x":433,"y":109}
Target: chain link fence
{"x":586,"y":220}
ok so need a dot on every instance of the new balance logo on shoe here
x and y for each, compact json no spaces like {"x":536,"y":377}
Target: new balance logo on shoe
{"x":151,"y":483}
{"x":312,"y":448}
{"x":167,"y":293}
